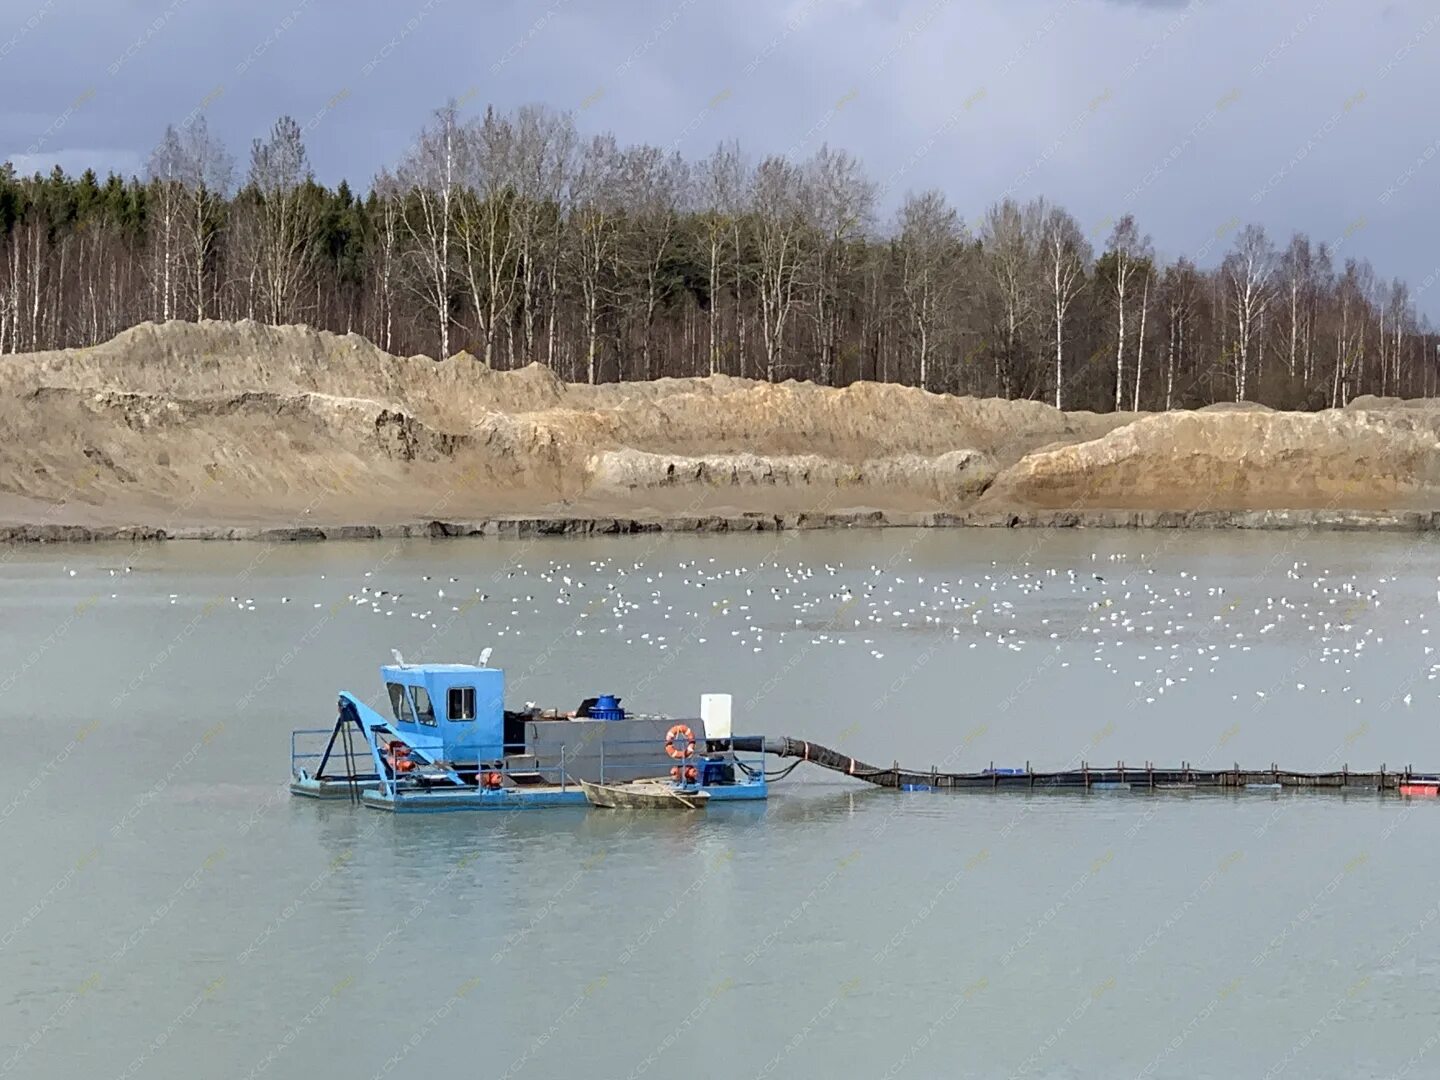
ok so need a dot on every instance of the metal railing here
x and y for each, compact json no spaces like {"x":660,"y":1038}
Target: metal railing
{"x":357,"y":750}
{"x":554,"y":771}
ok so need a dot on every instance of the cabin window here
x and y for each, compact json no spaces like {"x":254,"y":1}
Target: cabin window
{"x":400,"y":703}
{"x":462,"y":703}
{"x":424,"y":711}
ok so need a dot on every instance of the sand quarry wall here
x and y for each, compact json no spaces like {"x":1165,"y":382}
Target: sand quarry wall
{"x":241,"y":422}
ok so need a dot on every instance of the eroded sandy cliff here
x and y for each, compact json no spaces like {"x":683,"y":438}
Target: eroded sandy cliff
{"x":235,"y":423}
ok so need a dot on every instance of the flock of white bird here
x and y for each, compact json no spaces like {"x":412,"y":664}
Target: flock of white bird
{"x":1172,"y":630}
{"x":1164,"y":633}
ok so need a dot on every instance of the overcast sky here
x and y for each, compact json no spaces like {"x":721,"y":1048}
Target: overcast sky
{"x":1318,"y":115}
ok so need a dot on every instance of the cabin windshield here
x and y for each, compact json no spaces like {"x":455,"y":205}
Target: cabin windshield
{"x":424,"y":710}
{"x":400,"y":703}
{"x":462,"y":703}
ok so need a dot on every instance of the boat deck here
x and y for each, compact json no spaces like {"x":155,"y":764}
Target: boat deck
{"x":529,"y":797}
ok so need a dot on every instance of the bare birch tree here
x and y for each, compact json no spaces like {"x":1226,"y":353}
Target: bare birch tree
{"x":841,"y":206}
{"x":1128,"y":253}
{"x":430,"y":178}
{"x":1250,"y":271}
{"x":595,"y":219}
{"x":1179,"y":287}
{"x":385,"y":254}
{"x":656,"y":188}
{"x":486,"y":227}
{"x":1009,"y":240}
{"x":286,"y":220}
{"x":778,"y":196}
{"x":1397,"y":310}
{"x":165,"y":171}
{"x":1067,"y":254}
{"x":205,"y":175}
{"x":1296,"y":270}
{"x":719,"y":183}
{"x":1322,"y":284}
{"x":1148,"y":275}
{"x":543,"y":157}
{"x":929,"y":240}
{"x":1352,"y":293}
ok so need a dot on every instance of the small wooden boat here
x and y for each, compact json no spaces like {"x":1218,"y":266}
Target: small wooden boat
{"x":643,"y":795}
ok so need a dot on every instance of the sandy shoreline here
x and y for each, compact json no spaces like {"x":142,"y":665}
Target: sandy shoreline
{"x":527,"y":527}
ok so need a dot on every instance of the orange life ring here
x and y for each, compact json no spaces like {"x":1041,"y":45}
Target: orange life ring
{"x":492,"y":780}
{"x":674,"y":736}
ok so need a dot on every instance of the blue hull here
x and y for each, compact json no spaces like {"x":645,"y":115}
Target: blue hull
{"x":435,"y":802}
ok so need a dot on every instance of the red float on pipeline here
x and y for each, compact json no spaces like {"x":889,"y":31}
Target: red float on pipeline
{"x":1429,"y":791}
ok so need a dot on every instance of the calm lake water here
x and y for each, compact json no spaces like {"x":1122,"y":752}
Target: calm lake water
{"x":169,"y":911}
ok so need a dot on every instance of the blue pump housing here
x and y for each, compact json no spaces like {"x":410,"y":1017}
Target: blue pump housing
{"x":607,"y":707}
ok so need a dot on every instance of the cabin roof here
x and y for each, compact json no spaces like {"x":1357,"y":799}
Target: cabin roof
{"x":438,"y":668}
{"x":441,"y":674}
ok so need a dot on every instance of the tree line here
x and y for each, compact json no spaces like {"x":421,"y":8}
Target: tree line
{"x":511,"y":236}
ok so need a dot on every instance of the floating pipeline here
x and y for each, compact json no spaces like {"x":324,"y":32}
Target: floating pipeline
{"x":1118,"y":777}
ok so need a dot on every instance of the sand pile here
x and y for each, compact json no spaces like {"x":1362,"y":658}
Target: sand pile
{"x":239,"y":422}
{"x":1248,"y":459}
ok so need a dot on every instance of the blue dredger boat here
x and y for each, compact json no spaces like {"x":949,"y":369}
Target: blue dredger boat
{"x":449,"y":743}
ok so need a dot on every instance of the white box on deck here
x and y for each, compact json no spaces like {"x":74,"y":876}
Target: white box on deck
{"x":715,"y":712}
